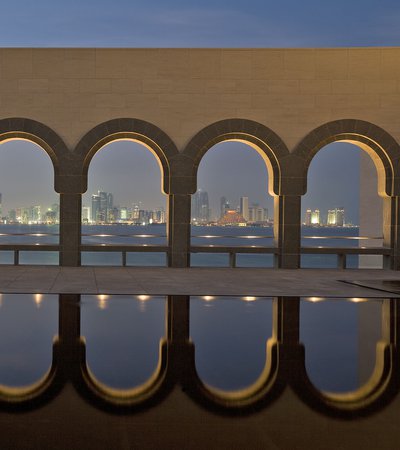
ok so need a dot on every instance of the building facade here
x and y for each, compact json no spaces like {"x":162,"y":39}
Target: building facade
{"x":285,"y":103}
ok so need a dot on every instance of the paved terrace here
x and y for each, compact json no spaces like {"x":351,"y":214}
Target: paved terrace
{"x":196,"y":281}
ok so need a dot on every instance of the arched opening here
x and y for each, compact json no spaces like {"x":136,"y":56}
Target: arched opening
{"x":233,"y":207}
{"x":29,"y":205}
{"x":124,"y":206}
{"x":343,"y":207}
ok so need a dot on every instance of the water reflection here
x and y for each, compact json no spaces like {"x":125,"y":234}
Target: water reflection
{"x":230,"y":339}
{"x":230,"y":354}
{"x":28,"y":324}
{"x":122,"y":334}
{"x":330,"y":330}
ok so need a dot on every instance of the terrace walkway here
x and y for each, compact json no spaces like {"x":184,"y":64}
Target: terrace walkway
{"x":195,"y":281}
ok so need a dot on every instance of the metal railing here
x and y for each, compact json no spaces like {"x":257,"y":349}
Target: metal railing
{"x":17,"y":248}
{"x":341,"y":252}
{"x":124,"y":249}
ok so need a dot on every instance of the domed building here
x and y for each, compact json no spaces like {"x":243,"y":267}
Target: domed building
{"x":232,"y":217}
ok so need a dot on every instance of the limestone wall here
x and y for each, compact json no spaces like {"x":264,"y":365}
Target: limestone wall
{"x":291,"y":91}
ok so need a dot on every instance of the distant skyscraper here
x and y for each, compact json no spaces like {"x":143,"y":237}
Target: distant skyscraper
{"x":200,"y":207}
{"x":336,"y":217}
{"x":123,"y":213}
{"x":257,"y":214}
{"x":95,"y":207}
{"x":86,"y":214}
{"x":244,"y":208}
{"x":340,"y":216}
{"x":103,"y":213}
{"x":308,"y":218}
{"x":35,"y":214}
{"x":331,"y":220}
{"x":12,"y":215}
{"x":315,"y":217}
{"x":224,"y":206}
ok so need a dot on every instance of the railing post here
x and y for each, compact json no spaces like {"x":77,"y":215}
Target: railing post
{"x":341,"y":261}
{"x":123,"y":259}
{"x":16,"y":257}
{"x":232,"y":259}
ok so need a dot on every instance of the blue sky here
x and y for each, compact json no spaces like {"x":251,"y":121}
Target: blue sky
{"x":128,"y":23}
{"x":157,"y":23}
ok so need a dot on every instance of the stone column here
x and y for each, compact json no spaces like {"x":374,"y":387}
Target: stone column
{"x":391,"y":231}
{"x":287,"y":230}
{"x":70,"y":229}
{"x":178,"y":231}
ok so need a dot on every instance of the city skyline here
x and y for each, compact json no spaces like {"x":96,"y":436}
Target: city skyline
{"x":195,"y":24}
{"x":332,"y":178}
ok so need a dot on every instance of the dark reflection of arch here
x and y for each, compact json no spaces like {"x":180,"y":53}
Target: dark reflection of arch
{"x":379,"y":145}
{"x":128,"y":129}
{"x":285,"y":368}
{"x":267,"y":143}
{"x":375,"y":394}
{"x":110,"y":399}
{"x":258,"y":395}
{"x":26,"y":398}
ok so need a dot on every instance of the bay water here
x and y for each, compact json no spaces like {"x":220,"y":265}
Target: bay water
{"x":155,"y":234}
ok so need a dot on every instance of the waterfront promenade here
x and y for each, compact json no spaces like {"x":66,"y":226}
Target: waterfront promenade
{"x":194,"y":281}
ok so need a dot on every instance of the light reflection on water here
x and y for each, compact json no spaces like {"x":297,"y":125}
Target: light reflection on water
{"x":123,"y":332}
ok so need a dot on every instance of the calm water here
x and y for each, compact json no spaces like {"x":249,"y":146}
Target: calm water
{"x":156,"y":235}
{"x":123,"y":332}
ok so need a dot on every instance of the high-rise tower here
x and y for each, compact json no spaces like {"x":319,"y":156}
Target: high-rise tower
{"x":244,"y":208}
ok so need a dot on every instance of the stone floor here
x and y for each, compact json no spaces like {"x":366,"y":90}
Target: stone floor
{"x":193,"y":281}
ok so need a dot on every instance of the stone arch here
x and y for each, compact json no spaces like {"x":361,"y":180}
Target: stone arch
{"x":380,"y":145}
{"x":267,"y":143}
{"x":137,"y":130}
{"x":40,"y":134}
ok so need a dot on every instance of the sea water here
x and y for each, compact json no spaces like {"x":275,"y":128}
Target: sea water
{"x":155,"y":234}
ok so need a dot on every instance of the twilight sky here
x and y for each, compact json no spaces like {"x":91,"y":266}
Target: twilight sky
{"x":178,"y":23}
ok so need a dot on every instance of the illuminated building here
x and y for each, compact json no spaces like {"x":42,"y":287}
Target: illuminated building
{"x":232,"y":217}
{"x":224,"y":206}
{"x":200,"y":207}
{"x":244,"y":208}
{"x":331,"y":217}
{"x":86,"y":214}
{"x":123,"y":213}
{"x":336,"y":217}
{"x":95,"y":207}
{"x":340,"y":217}
{"x":315,"y":217}
{"x":257,"y":214}
{"x":308,"y":218}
